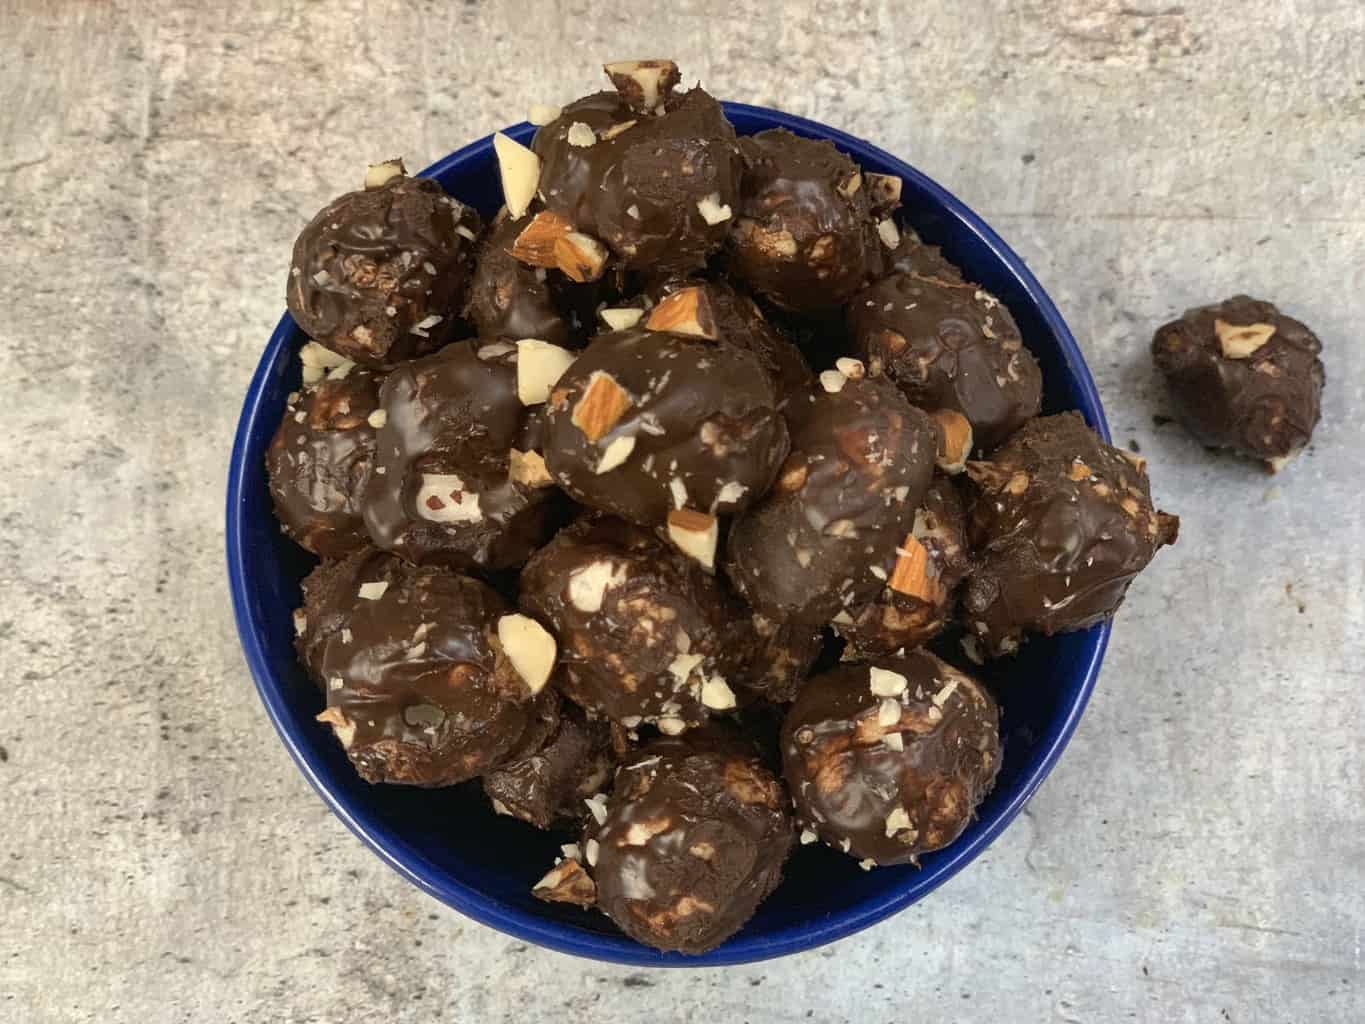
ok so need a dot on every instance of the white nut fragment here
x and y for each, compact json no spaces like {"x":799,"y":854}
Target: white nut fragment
{"x":621,"y":319}
{"x":542,"y":113}
{"x":529,"y":647}
{"x":539,"y":367}
{"x":639,"y":833}
{"x":683,"y":665}
{"x":300,"y":621}
{"x":671,"y":726}
{"x":894,"y":741}
{"x":566,"y":882}
{"x":580,"y":134}
{"x":342,"y":727}
{"x":1239,"y":342}
{"x":942,"y":696}
{"x":528,"y":469}
{"x":832,"y":381}
{"x":889,"y":233}
{"x":888,"y":711}
{"x":423,"y":327}
{"x":848,"y":188}
{"x":589,"y":584}
{"x":808,"y":837}
{"x":678,"y":490}
{"x":644,"y":84}
{"x":373,"y":591}
{"x":884,"y":190}
{"x":379,"y":175}
{"x":377,"y":419}
{"x":519,"y":169}
{"x":717,"y":695}
{"x":730,"y":492}
{"x":590,"y":851}
{"x":571,"y":851}
{"x":501,"y":808}
{"x":885,"y":683}
{"x":712,"y":210}
{"x":853,"y":369}
{"x":696,"y":535}
{"x":610,"y":134}
{"x":897,"y":821}
{"x":868,"y":864}
{"x":616,"y":453}
{"x":314,"y":355}
{"x":597,"y":806}
{"x":442,"y":498}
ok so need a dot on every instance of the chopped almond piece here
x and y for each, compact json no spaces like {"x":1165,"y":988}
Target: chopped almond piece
{"x":914,"y":575}
{"x":695,"y":534}
{"x":954,"y":440}
{"x":536,"y":243}
{"x":603,"y":404}
{"x":686,"y":311}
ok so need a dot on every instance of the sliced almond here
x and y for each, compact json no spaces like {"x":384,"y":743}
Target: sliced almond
{"x":589,"y":584}
{"x":954,"y":440}
{"x":616,"y":130}
{"x":444,"y":498}
{"x":643,"y":84}
{"x":712,"y":210}
{"x":851,"y":368}
{"x":885,"y":683}
{"x":832,"y":381}
{"x":567,"y":882}
{"x":342,"y":727}
{"x":915,"y":575}
{"x":686,"y":311}
{"x":580,"y":134}
{"x":603,"y":404}
{"x":848,"y":188}
{"x":519,"y":169}
{"x":529,"y":647}
{"x":536,"y":243}
{"x":543,"y":113}
{"x":379,"y":175}
{"x":884,"y":190}
{"x":889,"y":233}
{"x":695,"y":534}
{"x":621,"y":319}
{"x":581,"y":257}
{"x":1238,"y":341}
{"x":615,"y":454}
{"x":528,"y":469}
{"x":717,"y":695}
{"x":539,"y":367}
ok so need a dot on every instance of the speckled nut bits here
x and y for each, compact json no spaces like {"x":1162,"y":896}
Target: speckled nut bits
{"x":459,"y":479}
{"x":691,"y":840}
{"x":1060,"y":524}
{"x":645,"y":633}
{"x":321,"y":458}
{"x":1244,"y":376}
{"x":650,"y":172}
{"x":950,"y":346}
{"x":805,"y":236}
{"x":823,"y":541}
{"x":428,"y":675}
{"x":379,"y":275}
{"x":651,"y":422}
{"x":889,"y":760}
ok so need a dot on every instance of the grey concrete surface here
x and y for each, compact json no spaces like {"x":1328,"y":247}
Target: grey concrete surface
{"x":1199,"y":854}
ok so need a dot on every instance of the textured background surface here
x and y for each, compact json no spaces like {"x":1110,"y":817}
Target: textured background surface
{"x":1199,"y":855}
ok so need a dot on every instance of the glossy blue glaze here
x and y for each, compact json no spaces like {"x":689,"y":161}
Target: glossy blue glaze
{"x":451,"y":845}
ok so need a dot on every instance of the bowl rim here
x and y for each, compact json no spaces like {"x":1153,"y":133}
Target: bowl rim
{"x":617,"y":948}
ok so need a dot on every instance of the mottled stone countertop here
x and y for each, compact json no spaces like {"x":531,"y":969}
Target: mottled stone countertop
{"x":1199,"y":853}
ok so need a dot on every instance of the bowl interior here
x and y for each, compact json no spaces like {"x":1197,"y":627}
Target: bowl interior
{"x":451,"y":844}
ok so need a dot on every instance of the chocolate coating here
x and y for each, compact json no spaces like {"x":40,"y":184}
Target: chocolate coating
{"x":545,"y":781}
{"x":641,"y":627}
{"x":320,"y":461}
{"x":408,"y":658}
{"x":856,"y":791}
{"x":1244,"y":376}
{"x":694,"y":840}
{"x":703,"y":417}
{"x":371,"y":270}
{"x":779,"y":657}
{"x":1060,"y":524}
{"x":846,"y":496}
{"x":508,"y":299}
{"x":638,"y":190}
{"x":441,"y":492}
{"x":948,"y":344}
{"x":902,"y":619}
{"x":803,"y":235}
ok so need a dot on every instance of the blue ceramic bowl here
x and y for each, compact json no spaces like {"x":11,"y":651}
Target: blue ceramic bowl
{"x":451,"y":845}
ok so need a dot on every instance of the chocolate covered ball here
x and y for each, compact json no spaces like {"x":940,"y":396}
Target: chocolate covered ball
{"x":693,"y":839}
{"x":919,"y":597}
{"x":459,"y":480}
{"x":653,"y":177}
{"x":320,"y":461}
{"x":823,"y":541}
{"x":649,"y":422}
{"x":1060,"y":524}
{"x":420,"y":687}
{"x":380,"y":275}
{"x":512,"y":300}
{"x":1244,"y":376}
{"x":645,"y":635}
{"x":779,"y":657}
{"x":804,"y":234}
{"x":556,"y":767}
{"x":949,"y":345}
{"x":889,"y":760}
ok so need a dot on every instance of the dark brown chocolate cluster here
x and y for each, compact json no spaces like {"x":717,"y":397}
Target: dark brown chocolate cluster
{"x":658,"y":567}
{"x":1243,"y":376}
